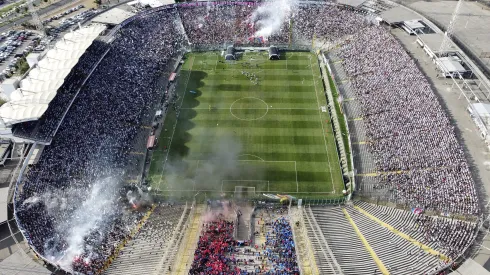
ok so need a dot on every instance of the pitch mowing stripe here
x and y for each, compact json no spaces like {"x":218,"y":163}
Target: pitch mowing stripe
{"x":271,"y":146}
{"x":256,"y":105}
{"x":261,"y":132}
{"x":261,"y":73}
{"x":267,"y":119}
{"x":263,"y":80}
{"x":311,"y":164}
{"x":270,"y":87}
{"x":298,"y":156}
{"x":269,"y":124}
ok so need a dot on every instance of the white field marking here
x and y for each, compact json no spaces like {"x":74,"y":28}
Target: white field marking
{"x":279,"y":161}
{"x":296,"y":170}
{"x":227,"y":108}
{"x":176,"y":121}
{"x":255,"y":156}
{"x":286,"y":63}
{"x":323,"y":128}
{"x":272,"y":191}
{"x":266,"y":109}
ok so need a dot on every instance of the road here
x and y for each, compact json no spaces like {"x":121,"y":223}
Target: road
{"x":40,"y":12}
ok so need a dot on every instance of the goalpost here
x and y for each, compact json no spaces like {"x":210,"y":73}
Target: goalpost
{"x":245,"y":188}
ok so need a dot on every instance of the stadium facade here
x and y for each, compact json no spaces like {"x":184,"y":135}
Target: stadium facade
{"x":53,"y":106}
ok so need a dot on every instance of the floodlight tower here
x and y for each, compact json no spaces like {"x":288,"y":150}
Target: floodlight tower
{"x":446,"y":41}
{"x":35,"y":17}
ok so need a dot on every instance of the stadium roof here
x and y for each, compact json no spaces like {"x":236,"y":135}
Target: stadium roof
{"x":398,"y":15}
{"x":38,"y":89}
{"x":114,"y":16}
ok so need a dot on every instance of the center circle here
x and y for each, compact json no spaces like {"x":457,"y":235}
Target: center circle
{"x":249,"y":108}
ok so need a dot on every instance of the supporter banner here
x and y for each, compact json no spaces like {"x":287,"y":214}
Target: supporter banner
{"x":417,"y":211}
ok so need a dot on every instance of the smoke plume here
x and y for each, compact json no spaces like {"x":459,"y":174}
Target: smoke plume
{"x":74,"y":236}
{"x":221,"y":161}
{"x":270,"y":17}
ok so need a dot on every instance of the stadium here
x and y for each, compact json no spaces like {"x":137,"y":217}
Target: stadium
{"x":269,"y":137}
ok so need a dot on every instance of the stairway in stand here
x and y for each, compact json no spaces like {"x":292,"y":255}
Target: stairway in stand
{"x":189,"y":243}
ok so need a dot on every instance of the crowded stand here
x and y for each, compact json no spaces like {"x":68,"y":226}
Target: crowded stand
{"x":215,"y":24}
{"x":215,"y":242}
{"x":327,"y":22}
{"x":44,"y":128}
{"x":450,"y":236}
{"x":93,"y":145}
{"x":407,"y":128}
{"x":279,"y":248}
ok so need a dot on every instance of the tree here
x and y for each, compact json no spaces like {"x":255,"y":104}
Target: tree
{"x":23,"y":66}
{"x":98,"y":2}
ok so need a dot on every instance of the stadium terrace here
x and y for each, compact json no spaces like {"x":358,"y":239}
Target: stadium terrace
{"x":252,"y":108}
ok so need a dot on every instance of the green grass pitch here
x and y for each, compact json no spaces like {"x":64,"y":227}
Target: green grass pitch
{"x":271,"y":109}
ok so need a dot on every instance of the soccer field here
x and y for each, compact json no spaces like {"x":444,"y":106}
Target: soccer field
{"x":252,"y":123}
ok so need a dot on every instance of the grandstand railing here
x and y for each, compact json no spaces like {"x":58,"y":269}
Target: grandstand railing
{"x":298,"y":255}
{"x":175,"y":240}
{"x":338,"y":135}
{"x":311,"y":257}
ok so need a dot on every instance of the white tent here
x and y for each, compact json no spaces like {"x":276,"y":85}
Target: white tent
{"x":37,"y":90}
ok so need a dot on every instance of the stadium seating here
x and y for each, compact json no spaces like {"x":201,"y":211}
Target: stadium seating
{"x":94,"y":143}
{"x":348,"y":250}
{"x":153,"y":244}
{"x":449,"y":236}
{"x":405,"y":243}
{"x":410,"y":142}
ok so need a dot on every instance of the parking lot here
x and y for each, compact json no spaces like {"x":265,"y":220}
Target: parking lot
{"x":13,"y":46}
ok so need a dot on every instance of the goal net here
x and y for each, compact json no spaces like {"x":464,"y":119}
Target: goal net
{"x":245,"y":188}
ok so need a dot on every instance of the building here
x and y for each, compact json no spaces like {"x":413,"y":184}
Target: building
{"x":452,"y":66}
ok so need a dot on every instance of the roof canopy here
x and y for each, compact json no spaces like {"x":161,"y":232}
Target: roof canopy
{"x":37,"y":90}
{"x":398,"y":15}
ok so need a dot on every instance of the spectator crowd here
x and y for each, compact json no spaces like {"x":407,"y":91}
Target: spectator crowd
{"x":94,"y":143}
{"x":406,"y":125}
{"x":213,"y":248}
{"x":279,"y":248}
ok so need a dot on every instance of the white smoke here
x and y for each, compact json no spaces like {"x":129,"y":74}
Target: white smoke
{"x":270,"y":17}
{"x":88,"y":217}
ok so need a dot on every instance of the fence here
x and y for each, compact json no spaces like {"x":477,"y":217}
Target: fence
{"x":341,"y":147}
